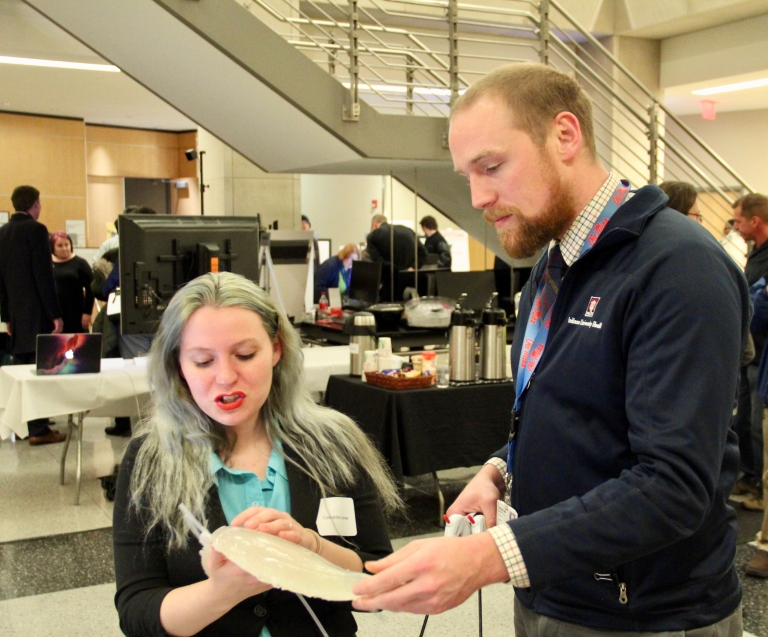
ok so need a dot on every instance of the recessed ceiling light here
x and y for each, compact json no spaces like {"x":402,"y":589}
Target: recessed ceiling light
{"x":726,"y":88}
{"x":4,"y":59}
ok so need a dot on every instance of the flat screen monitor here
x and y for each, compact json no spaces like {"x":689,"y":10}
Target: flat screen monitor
{"x":365,"y":282}
{"x":478,"y":286}
{"x":160,"y":253}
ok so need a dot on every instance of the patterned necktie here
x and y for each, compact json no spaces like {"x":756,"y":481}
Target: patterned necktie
{"x":553,"y":276}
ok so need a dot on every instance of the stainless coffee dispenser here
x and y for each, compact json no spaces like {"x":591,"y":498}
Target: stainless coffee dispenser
{"x":493,"y":341}
{"x":462,"y":343}
{"x":361,"y":328}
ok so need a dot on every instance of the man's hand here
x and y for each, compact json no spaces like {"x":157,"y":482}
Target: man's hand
{"x":58,"y":326}
{"x":481,"y":494}
{"x":431,"y":576}
{"x":85,"y":321}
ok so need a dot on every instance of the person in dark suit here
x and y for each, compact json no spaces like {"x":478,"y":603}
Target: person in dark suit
{"x":382,"y":248}
{"x":28,"y":302}
{"x":436,"y":243}
{"x":236,"y":436}
{"x":393,"y":245}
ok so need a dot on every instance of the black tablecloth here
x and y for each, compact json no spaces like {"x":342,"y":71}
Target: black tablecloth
{"x":424,"y":430}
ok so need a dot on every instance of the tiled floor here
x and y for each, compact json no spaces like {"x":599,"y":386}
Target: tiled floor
{"x":56,"y":575}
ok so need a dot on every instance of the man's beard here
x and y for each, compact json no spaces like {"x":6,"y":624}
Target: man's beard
{"x":528,"y":236}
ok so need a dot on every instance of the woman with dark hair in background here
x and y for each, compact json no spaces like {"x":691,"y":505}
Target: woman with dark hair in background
{"x":73,"y":284}
{"x":235,"y":436}
{"x":336,"y":272}
{"x":683,"y":197}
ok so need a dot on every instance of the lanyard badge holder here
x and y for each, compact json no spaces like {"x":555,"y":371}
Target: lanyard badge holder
{"x":459,"y":525}
{"x":537,"y":330}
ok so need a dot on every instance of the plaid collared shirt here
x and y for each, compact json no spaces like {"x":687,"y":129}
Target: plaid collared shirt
{"x":577,"y":234}
{"x":570,"y":246}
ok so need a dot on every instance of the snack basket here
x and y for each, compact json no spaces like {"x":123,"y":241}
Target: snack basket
{"x":392,"y":382}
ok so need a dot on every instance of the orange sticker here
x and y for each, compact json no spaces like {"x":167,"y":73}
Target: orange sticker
{"x":214,"y":264}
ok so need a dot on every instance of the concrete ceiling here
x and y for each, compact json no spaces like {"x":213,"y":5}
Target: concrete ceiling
{"x":95,"y":96}
{"x":681,"y":100}
{"x":116,"y":99}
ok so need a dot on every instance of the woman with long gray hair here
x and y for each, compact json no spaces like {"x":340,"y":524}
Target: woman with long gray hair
{"x":236,"y":437}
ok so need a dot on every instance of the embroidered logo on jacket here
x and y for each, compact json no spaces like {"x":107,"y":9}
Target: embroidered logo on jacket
{"x":592,"y":306}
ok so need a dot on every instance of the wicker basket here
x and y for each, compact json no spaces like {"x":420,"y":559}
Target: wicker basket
{"x":392,"y":382}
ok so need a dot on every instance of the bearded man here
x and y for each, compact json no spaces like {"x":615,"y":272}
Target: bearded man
{"x":620,"y":458}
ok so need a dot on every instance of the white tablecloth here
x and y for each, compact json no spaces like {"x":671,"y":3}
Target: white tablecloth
{"x":322,"y":362}
{"x":120,"y":389}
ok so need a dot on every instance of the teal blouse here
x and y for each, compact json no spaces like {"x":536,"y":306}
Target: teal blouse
{"x":239,"y":489}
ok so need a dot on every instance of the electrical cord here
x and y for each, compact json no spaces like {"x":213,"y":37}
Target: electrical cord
{"x":312,"y":613}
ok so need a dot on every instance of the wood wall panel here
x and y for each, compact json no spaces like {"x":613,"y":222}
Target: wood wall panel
{"x":119,"y":160}
{"x":53,"y":165}
{"x":49,"y":154}
{"x":187,"y":168}
{"x":125,"y":152}
{"x":480,"y":258}
{"x":80,"y":169}
{"x":45,"y":126}
{"x":131,"y":137}
{"x":106,"y":200}
{"x":57,"y":210}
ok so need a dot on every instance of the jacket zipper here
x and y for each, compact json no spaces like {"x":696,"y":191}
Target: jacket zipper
{"x":613,"y":577}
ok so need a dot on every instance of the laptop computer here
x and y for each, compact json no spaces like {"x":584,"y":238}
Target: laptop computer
{"x":68,"y":354}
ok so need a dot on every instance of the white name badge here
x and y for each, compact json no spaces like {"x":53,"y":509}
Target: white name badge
{"x":336,"y":516}
{"x":504,"y":512}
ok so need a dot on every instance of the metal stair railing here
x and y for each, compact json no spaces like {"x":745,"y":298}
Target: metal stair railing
{"x":414,"y":57}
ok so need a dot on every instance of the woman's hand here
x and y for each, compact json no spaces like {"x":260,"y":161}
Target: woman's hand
{"x":276,"y":523}
{"x":188,"y":609}
{"x":229,"y":580}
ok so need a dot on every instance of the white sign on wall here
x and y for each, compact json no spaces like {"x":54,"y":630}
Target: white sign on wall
{"x":75,"y":228}
{"x":459,"y":242}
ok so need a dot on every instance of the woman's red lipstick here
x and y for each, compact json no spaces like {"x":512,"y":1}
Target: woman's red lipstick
{"x":235,"y":399}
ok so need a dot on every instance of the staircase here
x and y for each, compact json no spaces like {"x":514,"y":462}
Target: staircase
{"x":364,"y":86}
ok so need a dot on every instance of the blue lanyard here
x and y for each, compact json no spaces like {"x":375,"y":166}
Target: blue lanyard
{"x":537,"y":328}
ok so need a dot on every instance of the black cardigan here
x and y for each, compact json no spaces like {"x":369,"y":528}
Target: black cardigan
{"x":146,"y":572}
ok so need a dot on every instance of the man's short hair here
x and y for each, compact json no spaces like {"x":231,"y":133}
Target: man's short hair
{"x":428,"y":222}
{"x":378,"y":219}
{"x":144,"y":210}
{"x":24,"y":197}
{"x":305,"y":218}
{"x":755,"y":205}
{"x":133,"y":209}
{"x":534,"y":94}
{"x":682,"y":195}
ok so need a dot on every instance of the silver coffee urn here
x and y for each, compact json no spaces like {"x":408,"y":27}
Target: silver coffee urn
{"x":462,"y":343}
{"x":361,"y":328}
{"x":493,"y":341}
